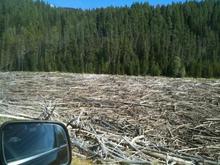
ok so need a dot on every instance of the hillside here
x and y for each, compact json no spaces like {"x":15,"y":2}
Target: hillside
{"x":182,"y":39}
{"x":123,"y":118}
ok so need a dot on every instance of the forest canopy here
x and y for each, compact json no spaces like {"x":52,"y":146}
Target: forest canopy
{"x":181,"y":39}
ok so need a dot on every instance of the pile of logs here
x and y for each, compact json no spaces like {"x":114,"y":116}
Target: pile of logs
{"x":124,"y":141}
{"x":121,"y":119}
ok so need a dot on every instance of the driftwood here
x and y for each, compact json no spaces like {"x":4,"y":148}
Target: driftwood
{"x":121,"y":119}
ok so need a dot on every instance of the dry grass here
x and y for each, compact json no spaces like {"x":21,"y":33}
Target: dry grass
{"x":78,"y":161}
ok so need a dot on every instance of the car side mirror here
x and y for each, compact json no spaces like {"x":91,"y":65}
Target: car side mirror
{"x":34,"y":143}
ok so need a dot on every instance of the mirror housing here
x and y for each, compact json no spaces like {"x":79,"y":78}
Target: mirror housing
{"x":34,"y":143}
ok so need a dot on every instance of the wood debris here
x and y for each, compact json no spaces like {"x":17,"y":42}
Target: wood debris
{"x":123,"y":119}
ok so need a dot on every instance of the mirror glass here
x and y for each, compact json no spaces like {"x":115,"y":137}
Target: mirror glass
{"x":35,"y":143}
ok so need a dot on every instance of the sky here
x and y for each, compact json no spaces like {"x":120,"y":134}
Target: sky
{"x":91,"y":4}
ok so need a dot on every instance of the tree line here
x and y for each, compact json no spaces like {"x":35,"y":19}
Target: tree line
{"x":181,"y":39}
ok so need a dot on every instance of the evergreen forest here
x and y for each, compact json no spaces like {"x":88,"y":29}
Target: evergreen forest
{"x":176,"y":40}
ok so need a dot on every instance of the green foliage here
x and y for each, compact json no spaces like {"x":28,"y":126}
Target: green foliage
{"x":182,"y":72}
{"x":155,"y":70}
{"x":177,"y":40}
{"x":177,"y":68}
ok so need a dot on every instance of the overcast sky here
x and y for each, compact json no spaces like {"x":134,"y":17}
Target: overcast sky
{"x":89,"y":4}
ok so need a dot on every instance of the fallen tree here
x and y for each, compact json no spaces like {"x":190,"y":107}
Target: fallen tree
{"x":119,"y":119}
